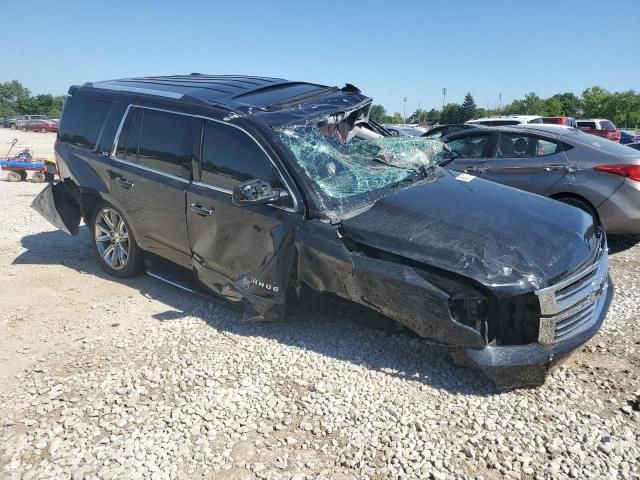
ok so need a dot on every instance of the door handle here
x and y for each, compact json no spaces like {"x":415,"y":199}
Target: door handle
{"x":124,"y":183}
{"x":200,"y":209}
{"x":549,"y":168}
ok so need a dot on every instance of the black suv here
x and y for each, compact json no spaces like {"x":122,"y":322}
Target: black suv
{"x":256,"y":187}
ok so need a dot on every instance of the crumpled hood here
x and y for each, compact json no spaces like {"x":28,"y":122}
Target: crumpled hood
{"x":509,"y":240}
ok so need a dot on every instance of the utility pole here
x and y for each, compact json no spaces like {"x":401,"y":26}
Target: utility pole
{"x":500,"y":102}
{"x":405,"y":109}
{"x":444,"y":96}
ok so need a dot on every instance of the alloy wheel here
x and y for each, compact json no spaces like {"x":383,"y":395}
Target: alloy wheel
{"x":112,"y":238}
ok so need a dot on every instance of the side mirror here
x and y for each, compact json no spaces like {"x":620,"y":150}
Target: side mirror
{"x":257,"y":192}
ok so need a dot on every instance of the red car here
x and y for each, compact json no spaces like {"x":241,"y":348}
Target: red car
{"x":40,"y":126}
{"x":568,"y":121}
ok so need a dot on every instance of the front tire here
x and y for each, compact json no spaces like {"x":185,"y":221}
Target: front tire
{"x":113,"y":242}
{"x":38,"y":177}
{"x":582,"y":205}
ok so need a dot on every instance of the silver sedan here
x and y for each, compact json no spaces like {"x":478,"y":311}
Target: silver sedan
{"x":592,"y":173}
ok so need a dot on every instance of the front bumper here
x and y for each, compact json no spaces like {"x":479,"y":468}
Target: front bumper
{"x":620,"y":213}
{"x":528,"y":365}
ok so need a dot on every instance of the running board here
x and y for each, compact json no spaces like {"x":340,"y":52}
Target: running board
{"x":171,"y":282}
{"x":183,"y":279}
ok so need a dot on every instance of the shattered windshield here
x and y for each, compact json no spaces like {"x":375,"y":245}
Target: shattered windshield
{"x":353,"y":166}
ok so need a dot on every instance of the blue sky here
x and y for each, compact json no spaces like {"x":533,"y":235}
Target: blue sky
{"x":388,"y":49}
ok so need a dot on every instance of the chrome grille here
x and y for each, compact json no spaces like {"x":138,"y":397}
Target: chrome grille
{"x":568,"y":307}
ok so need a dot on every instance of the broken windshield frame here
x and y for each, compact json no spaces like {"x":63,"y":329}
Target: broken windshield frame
{"x":352,"y":166}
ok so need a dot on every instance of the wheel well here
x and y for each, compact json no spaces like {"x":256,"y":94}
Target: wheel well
{"x":587,"y":203}
{"x":89,"y":201}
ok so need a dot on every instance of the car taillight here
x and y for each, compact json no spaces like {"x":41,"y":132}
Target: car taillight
{"x":631,"y":172}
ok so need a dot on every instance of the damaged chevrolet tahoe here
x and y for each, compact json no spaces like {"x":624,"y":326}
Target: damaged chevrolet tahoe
{"x":252,"y":188}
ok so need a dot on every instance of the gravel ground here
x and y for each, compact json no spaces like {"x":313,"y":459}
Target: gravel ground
{"x":103,"y":378}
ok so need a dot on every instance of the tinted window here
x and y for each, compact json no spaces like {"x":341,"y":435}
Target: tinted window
{"x":82,"y":120}
{"x":587,"y":124}
{"x":535,"y":120}
{"x":513,"y":145}
{"x":554,"y":121}
{"x":129,"y":136}
{"x":469,"y":147}
{"x":231,"y":157}
{"x":165,"y":143}
{"x":547,"y":147}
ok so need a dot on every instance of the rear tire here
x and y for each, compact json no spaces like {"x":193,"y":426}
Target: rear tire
{"x":14,"y":177}
{"x":12,"y":126}
{"x":582,"y":205}
{"x":113,"y":243}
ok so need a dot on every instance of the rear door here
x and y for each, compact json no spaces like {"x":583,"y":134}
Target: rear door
{"x":150,"y":174}
{"x":527,"y":162}
{"x":239,"y":252}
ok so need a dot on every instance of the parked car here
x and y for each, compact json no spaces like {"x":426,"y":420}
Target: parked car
{"x":22,"y":120}
{"x":600,"y":127}
{"x":254,"y":189}
{"x":9,"y":122}
{"x":506,"y":120}
{"x":568,"y":121}
{"x":404,"y":130}
{"x":628,"y":136}
{"x":442,"y":130}
{"x":599,"y":176}
{"x":40,"y":126}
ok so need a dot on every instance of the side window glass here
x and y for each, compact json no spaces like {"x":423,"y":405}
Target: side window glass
{"x":166,"y":142}
{"x":82,"y":120}
{"x":547,"y":147}
{"x":513,"y":145}
{"x":230,"y":157}
{"x":127,"y":148}
{"x":469,"y":147}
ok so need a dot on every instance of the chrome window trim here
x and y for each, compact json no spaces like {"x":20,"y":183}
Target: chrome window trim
{"x":212,"y":187}
{"x":152,"y":170}
{"x":220,"y":189}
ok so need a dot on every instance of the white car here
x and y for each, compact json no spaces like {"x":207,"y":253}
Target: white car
{"x":595,"y":124}
{"x":507,"y":120}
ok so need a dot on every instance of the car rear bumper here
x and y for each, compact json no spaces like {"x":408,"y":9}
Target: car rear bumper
{"x":527,"y":365}
{"x":620,"y":213}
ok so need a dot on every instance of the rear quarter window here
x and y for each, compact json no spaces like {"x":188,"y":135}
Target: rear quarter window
{"x":82,"y":120}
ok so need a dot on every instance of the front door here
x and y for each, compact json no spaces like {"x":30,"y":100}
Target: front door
{"x":239,"y":252}
{"x":149,"y":178}
{"x":469,"y":152}
{"x":527,"y":162}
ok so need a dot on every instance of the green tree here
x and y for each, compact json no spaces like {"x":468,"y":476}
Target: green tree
{"x":451,"y":113}
{"x":395,"y":118}
{"x":597,"y":102}
{"x":571,"y":104}
{"x":468,"y":109}
{"x":433,"y":116}
{"x":418,"y":116}
{"x":553,"y":107}
{"x":11,"y":93}
{"x":378,"y":113}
